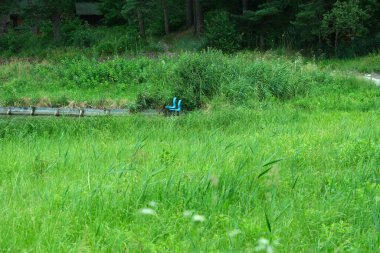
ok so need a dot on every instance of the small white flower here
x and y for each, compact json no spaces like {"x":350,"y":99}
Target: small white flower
{"x":234,"y":232}
{"x":263,"y":241}
{"x":264,"y":246}
{"x":199,"y":218}
{"x":187,"y":213}
{"x":152,"y":204}
{"x":147,"y":211}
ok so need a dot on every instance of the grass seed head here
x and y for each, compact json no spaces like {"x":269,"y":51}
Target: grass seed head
{"x":187,"y":213}
{"x":147,"y":211}
{"x":264,"y":246}
{"x":234,"y":232}
{"x":153,"y":204}
{"x":199,"y":218}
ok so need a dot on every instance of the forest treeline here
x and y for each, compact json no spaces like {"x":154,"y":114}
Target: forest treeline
{"x":317,"y":27}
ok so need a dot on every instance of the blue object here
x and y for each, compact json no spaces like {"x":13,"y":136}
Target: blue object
{"x":178,"y":109}
{"x":174,"y":106}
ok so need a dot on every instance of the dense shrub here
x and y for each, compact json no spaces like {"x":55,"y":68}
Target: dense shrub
{"x":76,"y":33}
{"x":106,"y":48}
{"x":220,"y":32}
{"x":16,"y":42}
{"x":196,"y":78}
{"x":91,"y":73}
{"x":99,"y":41}
{"x":82,"y":38}
{"x":126,"y":41}
{"x":200,"y":77}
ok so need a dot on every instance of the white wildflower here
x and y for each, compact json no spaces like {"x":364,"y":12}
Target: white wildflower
{"x":147,"y":211}
{"x":270,"y":249}
{"x":187,"y":213}
{"x":199,"y":218}
{"x":234,"y":232}
{"x":263,"y":241}
{"x":264,"y":246}
{"x":152,"y":204}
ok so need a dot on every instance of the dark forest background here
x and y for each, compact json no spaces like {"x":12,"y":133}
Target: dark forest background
{"x":323,"y":28}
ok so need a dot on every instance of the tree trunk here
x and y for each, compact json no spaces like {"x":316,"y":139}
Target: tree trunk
{"x":166,"y":17}
{"x":189,"y":13}
{"x":198,"y":18}
{"x":4,"y":26}
{"x":336,"y":43}
{"x":141,"y":23}
{"x":245,"y":5}
{"x":35,"y":28}
{"x":57,"y":26}
{"x":262,"y":43}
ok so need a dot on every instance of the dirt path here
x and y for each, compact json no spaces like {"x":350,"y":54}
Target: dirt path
{"x":374,"y":78}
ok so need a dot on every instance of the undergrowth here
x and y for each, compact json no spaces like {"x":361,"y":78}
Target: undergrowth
{"x":197,"y":78}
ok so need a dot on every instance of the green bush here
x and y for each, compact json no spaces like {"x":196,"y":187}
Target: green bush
{"x":199,"y":77}
{"x":106,"y":48}
{"x":220,"y":32}
{"x":77,"y":34}
{"x":86,"y":73}
{"x":147,"y":101}
{"x":100,"y":41}
{"x":196,"y":78}
{"x":16,"y":42}
{"x":82,"y":38}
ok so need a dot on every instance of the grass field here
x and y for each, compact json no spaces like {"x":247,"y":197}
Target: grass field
{"x":289,"y":174}
{"x":367,"y":64}
{"x":74,"y":80}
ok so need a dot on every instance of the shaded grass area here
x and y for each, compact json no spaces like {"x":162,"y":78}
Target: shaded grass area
{"x":367,"y":64}
{"x":77,"y":39}
{"x":307,"y":180}
{"x":184,"y":41}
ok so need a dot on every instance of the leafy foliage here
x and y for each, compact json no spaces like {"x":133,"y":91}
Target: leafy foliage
{"x":197,"y":78}
{"x":345,"y":21}
{"x":221,"y":33}
{"x":321,"y":27}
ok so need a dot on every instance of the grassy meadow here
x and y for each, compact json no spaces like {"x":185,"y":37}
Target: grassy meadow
{"x":278,"y":154}
{"x":367,"y":64}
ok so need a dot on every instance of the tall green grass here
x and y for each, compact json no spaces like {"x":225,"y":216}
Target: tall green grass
{"x":198,"y":78}
{"x":306,"y":181}
{"x":367,"y":64}
{"x":283,"y":156}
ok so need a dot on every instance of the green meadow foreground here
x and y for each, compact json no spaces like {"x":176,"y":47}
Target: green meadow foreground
{"x":290,"y":168}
